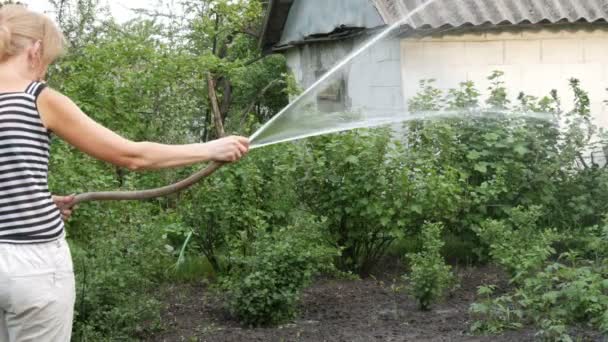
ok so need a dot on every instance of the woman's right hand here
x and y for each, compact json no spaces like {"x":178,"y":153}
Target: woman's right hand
{"x":229,"y":149}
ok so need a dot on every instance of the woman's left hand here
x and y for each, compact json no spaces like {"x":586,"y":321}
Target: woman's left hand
{"x":65,"y":204}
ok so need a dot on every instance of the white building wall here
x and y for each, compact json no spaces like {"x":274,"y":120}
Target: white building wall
{"x":373,"y":79}
{"x":534,"y":62}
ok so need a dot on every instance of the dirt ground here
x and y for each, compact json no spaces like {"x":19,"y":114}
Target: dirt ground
{"x":340,"y":310}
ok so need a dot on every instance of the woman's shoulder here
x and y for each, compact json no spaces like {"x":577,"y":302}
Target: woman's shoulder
{"x":35,"y":88}
{"x":49,"y":94}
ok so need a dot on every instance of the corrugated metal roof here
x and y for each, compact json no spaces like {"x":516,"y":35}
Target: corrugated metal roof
{"x":308,"y":18}
{"x":438,"y":15}
{"x":289,"y":21}
{"x":456,"y":13}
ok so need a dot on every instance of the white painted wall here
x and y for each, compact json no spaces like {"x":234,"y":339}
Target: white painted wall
{"x":533,"y":61}
{"x":373,"y":79}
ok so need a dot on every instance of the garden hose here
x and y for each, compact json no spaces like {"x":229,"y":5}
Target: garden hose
{"x":150,"y":193}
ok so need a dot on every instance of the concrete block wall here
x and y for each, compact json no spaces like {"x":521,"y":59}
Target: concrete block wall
{"x":534,"y":61}
{"x":373,"y":80}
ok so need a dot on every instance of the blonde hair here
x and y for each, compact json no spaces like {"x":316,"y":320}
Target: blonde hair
{"x":20,"y":27}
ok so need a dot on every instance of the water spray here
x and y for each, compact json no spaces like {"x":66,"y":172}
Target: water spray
{"x":214,"y":166}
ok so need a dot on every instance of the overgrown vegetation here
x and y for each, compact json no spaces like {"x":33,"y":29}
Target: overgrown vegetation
{"x":528,"y":197}
{"x":551,"y":293}
{"x":117,"y":267}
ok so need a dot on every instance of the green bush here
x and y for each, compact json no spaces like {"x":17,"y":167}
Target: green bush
{"x":504,"y":159}
{"x":494,"y":315}
{"x":551,"y":295}
{"x":430,"y":277}
{"x":464,"y":172}
{"x":350,"y":180}
{"x":553,"y":299}
{"x":517,"y":243}
{"x":562,"y":293}
{"x":256,"y":194}
{"x":264,"y":286}
{"x":115,"y":274}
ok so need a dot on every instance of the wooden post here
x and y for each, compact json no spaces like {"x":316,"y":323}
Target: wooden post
{"x":217,"y":113}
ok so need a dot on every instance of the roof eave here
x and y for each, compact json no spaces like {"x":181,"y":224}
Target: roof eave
{"x":274,"y":22}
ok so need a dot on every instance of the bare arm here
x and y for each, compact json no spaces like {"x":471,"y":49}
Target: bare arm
{"x":64,"y":118}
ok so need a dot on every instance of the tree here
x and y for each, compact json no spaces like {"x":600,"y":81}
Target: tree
{"x":226,"y":33}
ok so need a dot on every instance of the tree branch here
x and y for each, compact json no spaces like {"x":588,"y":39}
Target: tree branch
{"x":248,"y":63}
{"x":217,"y":24}
{"x":255,"y":100}
{"x":250,"y":33}
{"x":226,"y":86}
{"x":582,"y":161}
{"x":217,"y":113}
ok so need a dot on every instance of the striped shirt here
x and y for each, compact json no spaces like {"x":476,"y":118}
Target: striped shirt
{"x":27,"y":211}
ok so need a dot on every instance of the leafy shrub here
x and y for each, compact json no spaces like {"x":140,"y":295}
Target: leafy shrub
{"x":115,"y":272}
{"x":430,"y":277}
{"x":460,"y":171}
{"x":553,"y":299}
{"x":264,"y":285}
{"x":566,"y":294}
{"x":257,"y":194}
{"x":505,"y":161}
{"x":517,"y":243}
{"x":348,"y":179}
{"x":552,"y":295}
{"x":494,"y":315}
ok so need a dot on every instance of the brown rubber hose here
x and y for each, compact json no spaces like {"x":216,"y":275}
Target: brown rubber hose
{"x":150,"y":193}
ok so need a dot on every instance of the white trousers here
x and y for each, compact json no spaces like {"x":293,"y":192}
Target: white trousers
{"x":37,"y":292}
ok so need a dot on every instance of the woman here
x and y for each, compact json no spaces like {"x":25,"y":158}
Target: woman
{"x":36,"y":275}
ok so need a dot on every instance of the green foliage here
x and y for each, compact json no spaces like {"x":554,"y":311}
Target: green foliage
{"x":526,"y":191}
{"x":517,"y":243}
{"x":567,"y":294}
{"x":465,"y":97}
{"x":494,"y":315}
{"x":148,"y":81}
{"x":265,"y":284}
{"x":347,"y":179}
{"x":238,"y":202}
{"x":498,"y":92}
{"x":471,"y":175}
{"x":430,"y":277}
{"x":428,"y":98}
{"x":553,"y":295}
{"x":503,"y":161}
{"x":553,"y":299}
{"x":115,"y":273}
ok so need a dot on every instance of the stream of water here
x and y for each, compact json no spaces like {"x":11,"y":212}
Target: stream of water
{"x":323,"y":109}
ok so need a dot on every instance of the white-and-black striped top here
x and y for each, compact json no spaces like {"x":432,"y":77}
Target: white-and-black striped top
{"x":27,"y":211}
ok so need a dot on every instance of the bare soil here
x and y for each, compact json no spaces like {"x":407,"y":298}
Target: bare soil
{"x":336,"y":310}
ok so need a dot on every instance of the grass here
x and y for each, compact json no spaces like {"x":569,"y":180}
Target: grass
{"x":192,"y":268}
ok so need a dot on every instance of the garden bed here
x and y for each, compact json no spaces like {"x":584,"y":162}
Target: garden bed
{"x":340,"y":310}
